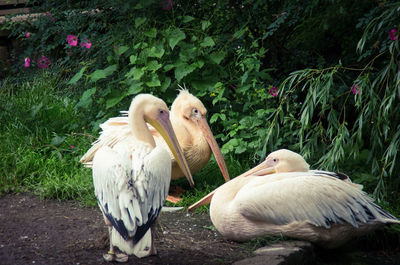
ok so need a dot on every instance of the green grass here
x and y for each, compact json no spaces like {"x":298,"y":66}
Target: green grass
{"x":40,"y":152}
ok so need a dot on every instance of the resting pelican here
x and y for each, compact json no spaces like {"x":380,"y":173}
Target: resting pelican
{"x":322,"y":207}
{"x":188,"y":118}
{"x":131,"y":179}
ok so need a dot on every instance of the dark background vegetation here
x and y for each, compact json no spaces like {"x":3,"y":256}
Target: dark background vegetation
{"x":229,"y":54}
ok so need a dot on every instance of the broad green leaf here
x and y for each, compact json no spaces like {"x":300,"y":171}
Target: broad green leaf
{"x":183,"y":70}
{"x":217,"y":57}
{"x":153,"y":65}
{"x":165,"y":84}
{"x":157,"y":52}
{"x":139,"y":21}
{"x":168,"y":67}
{"x":198,"y":63}
{"x":240,"y":149}
{"x":204,"y":84}
{"x":244,"y":77}
{"x":154,"y":81}
{"x":207,"y":42}
{"x":205,"y":24}
{"x":132,"y":59}
{"x":77,"y":76}
{"x":113,"y":101}
{"x":152,"y":33}
{"x":86,"y":98}
{"x":135,"y":88}
{"x":121,"y":49}
{"x":239,"y":33}
{"x":214,"y":118}
{"x":229,"y":146}
{"x":187,"y":19}
{"x":99,"y":74}
{"x":137,"y":73}
{"x":96,"y":75}
{"x":175,"y":37}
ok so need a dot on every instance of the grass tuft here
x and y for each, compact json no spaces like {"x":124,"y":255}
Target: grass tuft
{"x":39,"y":150}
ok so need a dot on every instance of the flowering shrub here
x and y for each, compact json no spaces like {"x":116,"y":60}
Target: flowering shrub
{"x":43,"y":62}
{"x":393,"y":34}
{"x":267,"y":71}
{"x":72,"y":40}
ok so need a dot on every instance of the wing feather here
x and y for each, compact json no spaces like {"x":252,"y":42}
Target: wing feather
{"x":129,"y":188}
{"x":114,"y":131}
{"x":315,"y":197}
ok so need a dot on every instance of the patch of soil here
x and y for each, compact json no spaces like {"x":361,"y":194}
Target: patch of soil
{"x":33,"y":231}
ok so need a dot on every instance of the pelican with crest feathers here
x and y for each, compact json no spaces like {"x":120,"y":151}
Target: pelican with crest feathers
{"x":281,"y":196}
{"x":188,"y":118}
{"x":131,"y":179}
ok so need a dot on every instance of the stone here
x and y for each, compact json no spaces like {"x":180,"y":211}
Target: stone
{"x":283,"y":253}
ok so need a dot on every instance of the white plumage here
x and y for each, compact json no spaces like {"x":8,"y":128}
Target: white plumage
{"x":188,"y":118}
{"x":318,"y":206}
{"x":131,"y":178}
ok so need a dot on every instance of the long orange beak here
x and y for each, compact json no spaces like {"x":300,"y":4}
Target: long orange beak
{"x":163,"y":125}
{"x":264,"y":168}
{"x":206,"y":131}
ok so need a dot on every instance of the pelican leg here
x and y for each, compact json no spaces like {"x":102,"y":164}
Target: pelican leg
{"x":175,"y":194}
{"x":153,"y":250}
{"x":111,"y":255}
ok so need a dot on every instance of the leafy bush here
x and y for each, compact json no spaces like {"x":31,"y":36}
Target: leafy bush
{"x":244,"y":61}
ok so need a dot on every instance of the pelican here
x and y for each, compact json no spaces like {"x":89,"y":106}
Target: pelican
{"x":131,"y":179}
{"x":188,"y":118}
{"x":281,"y":196}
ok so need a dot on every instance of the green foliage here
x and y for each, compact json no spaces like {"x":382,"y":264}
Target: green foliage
{"x":39,"y":150}
{"x":231,"y":54}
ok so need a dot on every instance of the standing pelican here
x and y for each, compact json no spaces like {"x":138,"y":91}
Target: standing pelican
{"x":318,"y":206}
{"x":188,"y":118}
{"x":131,"y":179}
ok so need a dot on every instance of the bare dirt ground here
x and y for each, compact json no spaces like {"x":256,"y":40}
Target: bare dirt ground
{"x":33,"y":231}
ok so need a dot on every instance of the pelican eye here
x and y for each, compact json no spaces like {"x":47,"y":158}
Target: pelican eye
{"x":195,"y":112}
{"x":275,"y":160}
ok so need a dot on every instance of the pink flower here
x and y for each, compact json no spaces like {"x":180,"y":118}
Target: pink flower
{"x":87,"y":44}
{"x":72,"y":40}
{"x":50,"y":16}
{"x":27,"y":35}
{"x":43,"y":62}
{"x":167,"y":4}
{"x":393,"y":34}
{"x":273,"y":91}
{"x":27,"y":62}
{"x":72,"y":146}
{"x":355,"y":90}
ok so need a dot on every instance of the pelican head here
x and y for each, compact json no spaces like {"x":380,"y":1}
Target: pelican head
{"x":279,"y":161}
{"x":155,"y":112}
{"x":193,"y":115}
